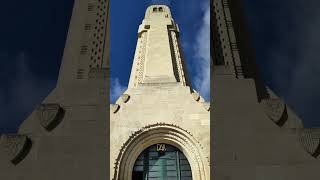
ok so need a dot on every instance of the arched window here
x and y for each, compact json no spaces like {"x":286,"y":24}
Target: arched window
{"x":160,"y":9}
{"x":162,"y":161}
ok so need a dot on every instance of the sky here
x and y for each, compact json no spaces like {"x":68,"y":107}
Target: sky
{"x":193,"y":18}
{"x":33,"y":33}
{"x":286,"y":38}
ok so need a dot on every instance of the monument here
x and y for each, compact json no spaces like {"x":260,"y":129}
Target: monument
{"x":255,"y":135}
{"x":65,"y":137}
{"x":160,"y":126}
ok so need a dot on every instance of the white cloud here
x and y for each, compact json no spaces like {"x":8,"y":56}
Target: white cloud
{"x":202,"y":56}
{"x":116,"y":89}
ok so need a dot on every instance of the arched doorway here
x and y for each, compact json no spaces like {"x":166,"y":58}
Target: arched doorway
{"x":166,"y":134}
{"x":162,"y":162}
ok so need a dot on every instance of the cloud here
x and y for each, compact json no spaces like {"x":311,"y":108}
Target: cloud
{"x":202,"y":56}
{"x":116,"y":89}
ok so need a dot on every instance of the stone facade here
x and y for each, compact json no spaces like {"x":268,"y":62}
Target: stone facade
{"x":66,"y":136}
{"x":255,"y":135}
{"x":159,"y":105}
{"x":252,"y":134}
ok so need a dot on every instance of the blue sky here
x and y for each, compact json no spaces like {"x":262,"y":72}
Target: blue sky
{"x":32,"y":37}
{"x":193,"y":19}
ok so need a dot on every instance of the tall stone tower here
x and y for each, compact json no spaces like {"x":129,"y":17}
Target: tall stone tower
{"x":159,"y":127}
{"x":66,"y":137}
{"x":255,"y":135}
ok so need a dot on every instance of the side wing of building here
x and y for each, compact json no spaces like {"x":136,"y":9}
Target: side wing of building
{"x":255,"y":135}
{"x":65,"y":137}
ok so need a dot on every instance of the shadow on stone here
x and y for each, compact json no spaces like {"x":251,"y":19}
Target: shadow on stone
{"x":25,"y":151}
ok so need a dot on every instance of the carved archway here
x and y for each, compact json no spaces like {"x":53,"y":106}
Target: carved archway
{"x":161,"y":133}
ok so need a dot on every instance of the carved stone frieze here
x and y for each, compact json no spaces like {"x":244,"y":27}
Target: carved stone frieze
{"x":155,"y":133}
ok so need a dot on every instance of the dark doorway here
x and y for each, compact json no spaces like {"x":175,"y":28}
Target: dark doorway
{"x":137,"y":175}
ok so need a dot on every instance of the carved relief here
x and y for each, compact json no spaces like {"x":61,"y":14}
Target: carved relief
{"x":154,"y":133}
{"x":196,"y":96}
{"x":50,"y":115}
{"x":141,"y":57}
{"x":206,"y":106}
{"x":15,"y":147}
{"x":276,"y":110}
{"x":125,"y":98}
{"x":310,"y":142}
{"x":114,"y":108}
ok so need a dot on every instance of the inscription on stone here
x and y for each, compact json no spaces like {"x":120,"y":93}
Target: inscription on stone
{"x":161,"y":147}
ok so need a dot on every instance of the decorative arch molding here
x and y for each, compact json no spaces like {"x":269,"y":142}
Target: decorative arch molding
{"x":161,"y":133}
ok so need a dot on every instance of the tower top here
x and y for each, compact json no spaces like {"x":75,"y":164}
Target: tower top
{"x":158,"y":56}
{"x":158,"y":10}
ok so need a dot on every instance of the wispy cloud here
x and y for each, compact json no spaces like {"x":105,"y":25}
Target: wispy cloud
{"x":116,"y":89}
{"x":202,"y":56}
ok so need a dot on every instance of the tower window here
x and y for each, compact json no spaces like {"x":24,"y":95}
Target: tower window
{"x":155,"y":9}
{"x":160,"y":9}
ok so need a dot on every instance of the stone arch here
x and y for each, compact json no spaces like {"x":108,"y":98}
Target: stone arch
{"x":161,"y":133}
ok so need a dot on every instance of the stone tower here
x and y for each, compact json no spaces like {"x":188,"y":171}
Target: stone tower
{"x":65,"y":138}
{"x":159,"y":127}
{"x":255,"y":135}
